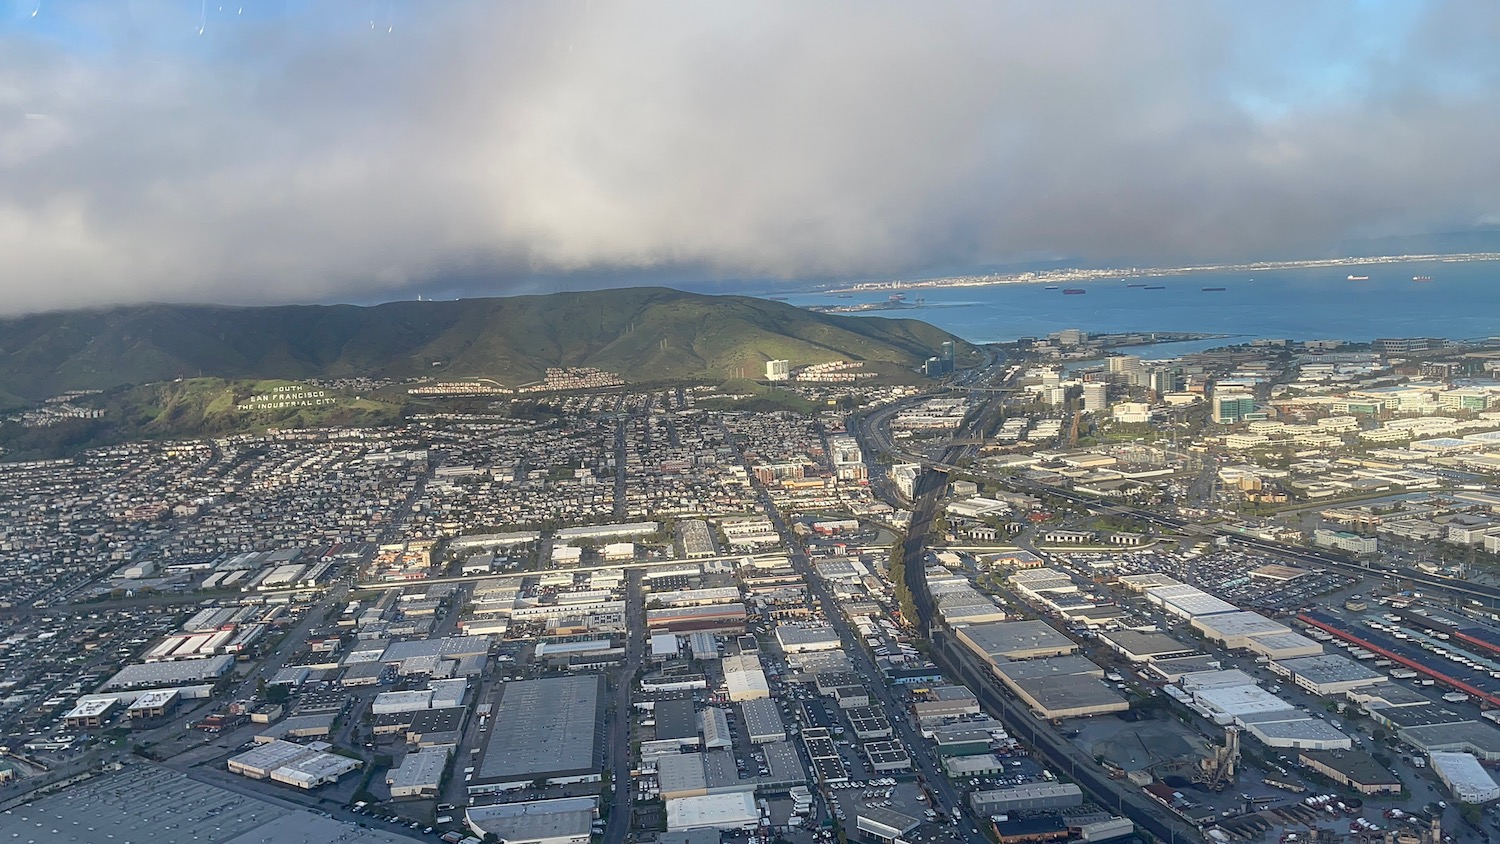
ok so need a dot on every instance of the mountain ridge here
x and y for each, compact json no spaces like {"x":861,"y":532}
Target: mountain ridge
{"x":641,"y":334}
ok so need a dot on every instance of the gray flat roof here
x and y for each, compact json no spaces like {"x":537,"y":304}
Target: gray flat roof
{"x":1069,"y":691}
{"x":1482,"y":738}
{"x":1052,"y":666}
{"x":1386,"y":694}
{"x":1146,"y":644}
{"x":952,"y":693}
{"x":1015,"y":639}
{"x":720,"y":772}
{"x":681,"y":772}
{"x":1357,"y":765}
{"x":127,"y":807}
{"x":1178,"y":665}
{"x":1242,"y":623}
{"x":762,"y":716}
{"x":438,"y":720}
{"x":538,"y":819}
{"x":784,"y":764}
{"x":451,"y":647}
{"x":1295,"y":728}
{"x":675,"y":719}
{"x":1328,"y":668}
{"x":170,"y":673}
{"x":1423,"y":715}
{"x":544,"y":728}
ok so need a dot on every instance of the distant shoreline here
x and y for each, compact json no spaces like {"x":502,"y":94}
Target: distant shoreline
{"x":1115,"y":273}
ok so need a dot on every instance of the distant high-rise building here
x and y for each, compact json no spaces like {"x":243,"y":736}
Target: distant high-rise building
{"x":1231,"y":407}
{"x":936,"y":367}
{"x":1072,"y":337}
{"x":778,"y":370}
{"x":1164,"y":379}
{"x":1095,"y":396}
{"x":1128,"y":370}
{"x":949,"y":351}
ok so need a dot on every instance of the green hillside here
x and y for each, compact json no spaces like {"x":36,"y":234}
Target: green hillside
{"x":197,"y":406}
{"x":642,"y":334}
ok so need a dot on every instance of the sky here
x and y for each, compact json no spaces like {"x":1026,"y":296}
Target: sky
{"x":271,"y":151}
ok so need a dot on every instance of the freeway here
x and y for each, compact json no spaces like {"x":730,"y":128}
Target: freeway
{"x":618,"y":822}
{"x":894,"y":710}
{"x":957,"y":661}
{"x":1061,"y":755}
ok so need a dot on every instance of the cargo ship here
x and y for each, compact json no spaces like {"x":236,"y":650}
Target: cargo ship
{"x":1135,"y":285}
{"x":1050,"y":287}
{"x":1156,"y":287}
{"x":1359,"y":278}
{"x":1074,"y":291}
{"x":1214,"y":289}
{"x":1421,"y":278}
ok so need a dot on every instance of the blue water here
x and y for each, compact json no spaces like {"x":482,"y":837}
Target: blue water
{"x":1461,"y":302}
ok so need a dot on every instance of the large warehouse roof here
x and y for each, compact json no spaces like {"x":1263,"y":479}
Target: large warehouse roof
{"x":542,"y":729}
{"x":170,"y":673}
{"x":1150,"y":580}
{"x":718,"y":811}
{"x":1216,"y":679}
{"x":451,"y":647}
{"x":1016,"y":639}
{"x":1238,"y":701}
{"x":1288,"y":645}
{"x":1173,"y":668}
{"x":1194,"y":605}
{"x":1330,"y":669}
{"x":1290,"y":728}
{"x":1056,"y":666}
{"x":1235,"y":629}
{"x":762,"y":719}
{"x":537,"y":820}
{"x":1142,"y":646}
{"x":1062,"y":687}
{"x":1469,"y":781}
{"x":675,"y":719}
{"x":810,"y":637}
{"x":127,"y":807}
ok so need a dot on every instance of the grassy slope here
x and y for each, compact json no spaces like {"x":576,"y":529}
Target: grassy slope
{"x":641,"y":333}
{"x":208,"y":405}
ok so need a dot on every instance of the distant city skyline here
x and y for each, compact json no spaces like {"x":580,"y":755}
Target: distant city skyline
{"x":264,"y":152}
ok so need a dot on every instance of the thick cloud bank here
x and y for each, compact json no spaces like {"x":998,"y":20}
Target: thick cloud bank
{"x":298,"y":152}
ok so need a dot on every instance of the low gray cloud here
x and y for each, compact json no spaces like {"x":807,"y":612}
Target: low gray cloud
{"x":280,"y":159}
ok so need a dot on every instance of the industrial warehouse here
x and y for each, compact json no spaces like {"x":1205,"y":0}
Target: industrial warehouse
{"x":1040,"y":665}
{"x":547,"y":729}
{"x":1015,"y":640}
{"x":1061,"y":687}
